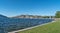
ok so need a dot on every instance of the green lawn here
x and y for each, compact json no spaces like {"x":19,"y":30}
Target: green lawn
{"x":49,"y":28}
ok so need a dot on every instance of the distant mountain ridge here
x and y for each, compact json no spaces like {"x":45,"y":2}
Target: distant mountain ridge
{"x":27,"y":16}
{"x":32,"y":16}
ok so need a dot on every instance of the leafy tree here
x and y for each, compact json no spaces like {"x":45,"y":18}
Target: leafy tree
{"x":57,"y":15}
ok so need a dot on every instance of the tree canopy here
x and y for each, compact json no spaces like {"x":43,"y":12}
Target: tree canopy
{"x":57,"y":15}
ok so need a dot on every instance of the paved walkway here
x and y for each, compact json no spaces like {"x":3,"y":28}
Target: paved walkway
{"x":31,"y":27}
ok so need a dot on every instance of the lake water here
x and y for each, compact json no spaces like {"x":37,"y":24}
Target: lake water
{"x":10,"y":24}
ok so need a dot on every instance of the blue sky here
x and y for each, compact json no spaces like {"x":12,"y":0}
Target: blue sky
{"x":30,"y":7}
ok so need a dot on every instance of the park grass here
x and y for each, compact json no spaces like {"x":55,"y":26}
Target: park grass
{"x":49,"y":28}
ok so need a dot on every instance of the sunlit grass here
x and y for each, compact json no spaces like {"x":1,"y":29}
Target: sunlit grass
{"x":49,"y":28}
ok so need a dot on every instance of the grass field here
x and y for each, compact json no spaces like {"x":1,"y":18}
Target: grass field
{"x":49,"y":28}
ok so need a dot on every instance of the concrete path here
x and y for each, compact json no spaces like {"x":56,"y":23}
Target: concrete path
{"x":31,"y":27}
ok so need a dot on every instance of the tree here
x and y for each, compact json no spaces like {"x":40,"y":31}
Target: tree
{"x":57,"y":15}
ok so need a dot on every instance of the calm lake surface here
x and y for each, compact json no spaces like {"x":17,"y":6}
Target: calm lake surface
{"x":11,"y":24}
